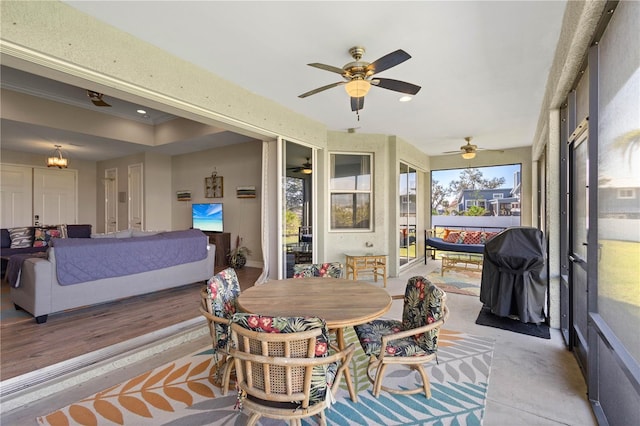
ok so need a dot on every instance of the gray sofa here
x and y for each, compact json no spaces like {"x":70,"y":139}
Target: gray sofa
{"x":39,"y":292}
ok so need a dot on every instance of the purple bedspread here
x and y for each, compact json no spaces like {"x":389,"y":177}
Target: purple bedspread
{"x":86,"y":259}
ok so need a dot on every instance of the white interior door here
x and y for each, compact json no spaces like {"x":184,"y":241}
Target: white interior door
{"x":136,"y":211}
{"x":54,"y":196}
{"x":15,"y":196}
{"x":111,"y":200}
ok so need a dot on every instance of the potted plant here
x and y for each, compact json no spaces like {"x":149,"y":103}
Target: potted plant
{"x":238,"y":256}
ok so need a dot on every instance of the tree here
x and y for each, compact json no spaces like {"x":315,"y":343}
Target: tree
{"x":438,"y":196}
{"x":472,"y":179}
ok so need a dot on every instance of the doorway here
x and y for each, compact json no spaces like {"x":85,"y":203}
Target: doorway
{"x":297,"y":221}
{"x":407,"y":219}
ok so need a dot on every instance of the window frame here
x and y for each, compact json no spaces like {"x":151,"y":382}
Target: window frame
{"x":354,"y":192}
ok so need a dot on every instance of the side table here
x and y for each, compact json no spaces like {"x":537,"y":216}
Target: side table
{"x":374,"y":264}
{"x":222,"y":240}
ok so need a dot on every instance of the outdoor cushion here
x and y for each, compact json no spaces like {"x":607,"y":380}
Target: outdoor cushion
{"x":323,"y":270}
{"x":422,"y":306}
{"x":223,"y":290}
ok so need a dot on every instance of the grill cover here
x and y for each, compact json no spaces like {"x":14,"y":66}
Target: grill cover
{"x":514,"y":281}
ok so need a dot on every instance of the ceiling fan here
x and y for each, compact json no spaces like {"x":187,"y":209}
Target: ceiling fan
{"x":305,"y":168}
{"x":96,"y":98}
{"x":468,"y":150}
{"x":358,"y":76}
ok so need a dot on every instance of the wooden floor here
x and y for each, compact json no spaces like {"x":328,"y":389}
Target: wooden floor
{"x":27,"y":346}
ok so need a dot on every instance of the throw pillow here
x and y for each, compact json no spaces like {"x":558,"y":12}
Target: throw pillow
{"x":63,"y":231}
{"x":472,"y":238}
{"x":460,"y":239}
{"x":452,"y":237}
{"x":446,"y":233}
{"x":5,"y":238}
{"x":486,"y":236}
{"x":42,"y":236}
{"x":118,"y":234}
{"x":137,"y":233}
{"x":21,"y":237}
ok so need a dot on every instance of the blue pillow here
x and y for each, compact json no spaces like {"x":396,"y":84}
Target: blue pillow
{"x":5,"y":238}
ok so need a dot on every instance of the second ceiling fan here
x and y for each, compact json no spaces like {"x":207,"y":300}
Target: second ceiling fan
{"x":358,"y":76}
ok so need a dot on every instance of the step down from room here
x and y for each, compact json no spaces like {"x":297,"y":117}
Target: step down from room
{"x":36,"y":385}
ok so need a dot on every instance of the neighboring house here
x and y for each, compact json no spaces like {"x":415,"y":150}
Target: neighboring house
{"x":496,"y":202}
{"x":619,"y":198}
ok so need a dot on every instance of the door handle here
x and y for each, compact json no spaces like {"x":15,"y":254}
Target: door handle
{"x":576,"y":259}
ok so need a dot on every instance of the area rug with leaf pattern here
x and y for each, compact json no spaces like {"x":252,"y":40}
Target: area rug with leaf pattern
{"x":187,"y":393}
{"x":457,"y":281}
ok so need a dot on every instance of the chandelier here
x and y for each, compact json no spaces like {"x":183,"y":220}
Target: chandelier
{"x":55,"y":159}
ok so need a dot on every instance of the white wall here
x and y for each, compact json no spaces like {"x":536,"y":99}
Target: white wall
{"x":388,"y":152}
{"x":239,"y":165}
{"x":158,"y":191}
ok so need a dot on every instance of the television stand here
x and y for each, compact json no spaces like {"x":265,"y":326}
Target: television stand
{"x":222,"y":240}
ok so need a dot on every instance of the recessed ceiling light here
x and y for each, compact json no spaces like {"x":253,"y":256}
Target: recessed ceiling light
{"x":141,"y":111}
{"x":405,"y":98}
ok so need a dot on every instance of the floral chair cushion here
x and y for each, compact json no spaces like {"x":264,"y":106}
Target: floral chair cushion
{"x":223,"y":290}
{"x":323,"y":375}
{"x":322,"y":270}
{"x":422,"y":306}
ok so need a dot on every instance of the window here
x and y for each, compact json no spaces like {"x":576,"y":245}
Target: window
{"x":350,"y":191}
{"x":478,"y":203}
{"x":626,"y":193}
{"x":498,"y":196}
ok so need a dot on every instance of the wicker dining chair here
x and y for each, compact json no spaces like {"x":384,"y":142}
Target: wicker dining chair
{"x":218,"y":303}
{"x":412,"y":341}
{"x":283,"y":366}
{"x":322,"y":270}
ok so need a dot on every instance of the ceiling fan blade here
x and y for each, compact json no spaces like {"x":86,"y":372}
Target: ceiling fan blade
{"x":396,"y":85}
{"x":321,"y":89}
{"x":357,"y":103}
{"x":100,"y":103}
{"x":96,"y":98}
{"x":387,"y":61}
{"x":327,"y":68}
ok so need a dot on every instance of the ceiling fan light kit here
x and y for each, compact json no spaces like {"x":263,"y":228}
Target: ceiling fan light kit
{"x":55,"y":159}
{"x":357,"y":88}
{"x":468,"y":155}
{"x":305,"y":168}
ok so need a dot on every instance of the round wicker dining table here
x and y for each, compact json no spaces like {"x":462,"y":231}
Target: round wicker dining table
{"x":340,"y":302}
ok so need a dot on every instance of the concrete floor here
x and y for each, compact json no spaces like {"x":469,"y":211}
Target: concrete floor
{"x":533,"y":381}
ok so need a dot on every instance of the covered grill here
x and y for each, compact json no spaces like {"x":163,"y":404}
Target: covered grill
{"x":514,"y":279}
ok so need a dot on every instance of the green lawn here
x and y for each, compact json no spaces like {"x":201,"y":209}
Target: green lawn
{"x":619,"y":271}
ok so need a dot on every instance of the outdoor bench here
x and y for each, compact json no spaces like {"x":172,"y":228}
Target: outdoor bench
{"x":458,"y":239}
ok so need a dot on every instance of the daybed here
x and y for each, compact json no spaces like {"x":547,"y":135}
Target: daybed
{"x":457,"y":239}
{"x":81,"y":272}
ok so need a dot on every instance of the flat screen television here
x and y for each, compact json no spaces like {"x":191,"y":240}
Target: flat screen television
{"x":207,"y":217}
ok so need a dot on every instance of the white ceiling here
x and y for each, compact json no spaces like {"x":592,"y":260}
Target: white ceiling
{"x":482,"y":65}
